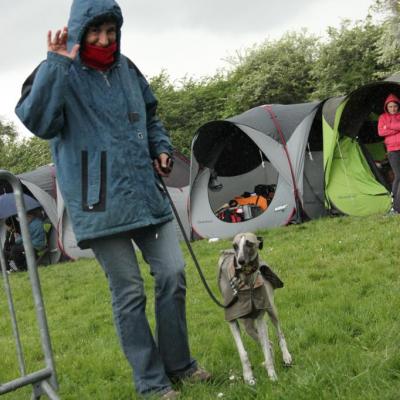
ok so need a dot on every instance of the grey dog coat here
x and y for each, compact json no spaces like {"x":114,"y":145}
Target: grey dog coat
{"x":252,"y":296}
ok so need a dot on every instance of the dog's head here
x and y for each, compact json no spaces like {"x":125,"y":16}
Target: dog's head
{"x":246,"y":246}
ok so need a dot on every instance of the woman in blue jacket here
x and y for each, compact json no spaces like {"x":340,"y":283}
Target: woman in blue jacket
{"x":99,"y":114}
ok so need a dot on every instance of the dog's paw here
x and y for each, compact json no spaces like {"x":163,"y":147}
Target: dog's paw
{"x":272,"y":376}
{"x":250,"y":381}
{"x":287,"y":360}
{"x":249,"y":378}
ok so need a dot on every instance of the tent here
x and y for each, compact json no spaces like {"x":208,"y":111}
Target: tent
{"x":357,"y":183}
{"x":42,"y":185}
{"x":273,"y":145}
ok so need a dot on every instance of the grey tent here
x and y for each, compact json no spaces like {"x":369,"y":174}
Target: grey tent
{"x":278,"y":145}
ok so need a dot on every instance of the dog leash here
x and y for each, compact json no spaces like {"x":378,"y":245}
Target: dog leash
{"x":189,"y":246}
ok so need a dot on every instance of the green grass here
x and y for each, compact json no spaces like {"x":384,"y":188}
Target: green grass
{"x":339,"y":310}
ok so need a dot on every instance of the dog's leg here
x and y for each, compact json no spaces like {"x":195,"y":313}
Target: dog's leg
{"x":273,"y":314}
{"x":251,"y":330}
{"x":266,"y":346}
{"x":247,"y":372}
{"x":287,"y":358}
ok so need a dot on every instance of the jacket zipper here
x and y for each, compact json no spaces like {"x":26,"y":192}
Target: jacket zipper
{"x":104,"y":75}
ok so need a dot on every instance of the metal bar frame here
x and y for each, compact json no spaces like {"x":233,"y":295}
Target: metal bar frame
{"x":44,"y":381}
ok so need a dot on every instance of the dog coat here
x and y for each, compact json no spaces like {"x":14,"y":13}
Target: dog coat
{"x":252,"y":294}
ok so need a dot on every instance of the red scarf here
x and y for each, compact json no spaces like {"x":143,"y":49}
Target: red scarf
{"x":98,"y":57}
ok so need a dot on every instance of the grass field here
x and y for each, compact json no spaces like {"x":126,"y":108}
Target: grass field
{"x":339,"y":310}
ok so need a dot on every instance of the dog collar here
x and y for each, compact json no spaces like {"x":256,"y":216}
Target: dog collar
{"x":249,"y":268}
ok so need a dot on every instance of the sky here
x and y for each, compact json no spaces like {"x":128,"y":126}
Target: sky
{"x":192,"y":38}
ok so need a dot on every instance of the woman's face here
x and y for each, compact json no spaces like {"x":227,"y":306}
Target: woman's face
{"x":392,"y":107}
{"x":103,"y":35}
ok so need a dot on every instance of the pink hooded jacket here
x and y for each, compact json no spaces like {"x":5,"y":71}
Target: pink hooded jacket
{"x":389,"y":125}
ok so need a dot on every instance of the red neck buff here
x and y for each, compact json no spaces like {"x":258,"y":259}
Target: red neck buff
{"x":98,"y":57}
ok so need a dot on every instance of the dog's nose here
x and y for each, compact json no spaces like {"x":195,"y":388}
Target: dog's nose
{"x":241,"y":261}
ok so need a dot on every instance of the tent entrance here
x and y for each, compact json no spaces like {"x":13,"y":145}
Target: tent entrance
{"x":374,"y":151}
{"x":242,"y":180}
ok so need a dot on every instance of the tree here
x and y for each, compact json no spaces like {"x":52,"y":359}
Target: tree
{"x":28,"y":154}
{"x":183,"y":110}
{"x":19,"y":156}
{"x":389,"y":42}
{"x":349,"y":59}
{"x":8,"y":136}
{"x":275,"y":72}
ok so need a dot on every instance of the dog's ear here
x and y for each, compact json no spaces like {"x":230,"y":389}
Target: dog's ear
{"x":260,"y":242}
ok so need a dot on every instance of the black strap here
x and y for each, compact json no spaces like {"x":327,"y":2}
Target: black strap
{"x":203,"y":279}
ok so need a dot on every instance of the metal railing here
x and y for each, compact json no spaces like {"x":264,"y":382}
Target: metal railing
{"x":43,"y":381}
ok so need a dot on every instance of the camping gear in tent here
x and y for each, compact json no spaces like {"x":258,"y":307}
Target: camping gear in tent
{"x":354,"y":153}
{"x":279,"y":145}
{"x":9,"y":208}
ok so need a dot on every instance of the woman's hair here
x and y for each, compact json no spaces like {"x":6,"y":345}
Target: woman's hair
{"x":102,"y":19}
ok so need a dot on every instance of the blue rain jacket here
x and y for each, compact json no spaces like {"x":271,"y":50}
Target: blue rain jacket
{"x":38,"y":234}
{"x":103,"y":132}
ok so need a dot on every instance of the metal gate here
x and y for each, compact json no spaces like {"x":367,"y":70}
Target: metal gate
{"x":43,"y":381}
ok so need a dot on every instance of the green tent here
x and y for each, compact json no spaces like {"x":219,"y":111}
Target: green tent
{"x":356,"y":183}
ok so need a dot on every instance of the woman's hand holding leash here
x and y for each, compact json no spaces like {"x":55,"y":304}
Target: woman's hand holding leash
{"x":163,"y":165}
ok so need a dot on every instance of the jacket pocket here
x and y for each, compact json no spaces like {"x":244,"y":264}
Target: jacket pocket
{"x":94,"y":181}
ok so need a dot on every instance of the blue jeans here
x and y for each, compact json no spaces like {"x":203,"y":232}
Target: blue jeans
{"x":168,"y":356}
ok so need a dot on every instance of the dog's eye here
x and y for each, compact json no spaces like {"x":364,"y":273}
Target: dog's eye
{"x":249,"y":244}
{"x":235,"y":246}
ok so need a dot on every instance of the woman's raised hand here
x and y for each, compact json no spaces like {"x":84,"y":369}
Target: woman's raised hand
{"x":58,"y":44}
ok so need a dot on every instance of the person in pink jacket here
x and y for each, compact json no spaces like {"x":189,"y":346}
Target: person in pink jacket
{"x":389,"y":128}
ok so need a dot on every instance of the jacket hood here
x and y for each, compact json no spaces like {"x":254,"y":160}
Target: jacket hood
{"x":391,"y":98}
{"x":84,"y":11}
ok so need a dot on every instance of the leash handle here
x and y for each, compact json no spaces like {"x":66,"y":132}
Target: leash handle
{"x":203,"y":279}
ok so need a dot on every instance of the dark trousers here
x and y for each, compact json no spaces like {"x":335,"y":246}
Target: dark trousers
{"x":17,"y":254}
{"x":394,"y":160}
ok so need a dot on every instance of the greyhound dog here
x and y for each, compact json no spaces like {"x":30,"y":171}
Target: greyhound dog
{"x":247,"y":285}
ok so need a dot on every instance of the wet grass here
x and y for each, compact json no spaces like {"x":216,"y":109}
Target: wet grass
{"x":339,"y":310}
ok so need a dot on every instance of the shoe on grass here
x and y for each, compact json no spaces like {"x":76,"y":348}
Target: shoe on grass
{"x":392,"y":211}
{"x":171,"y":394}
{"x":198,"y":376}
